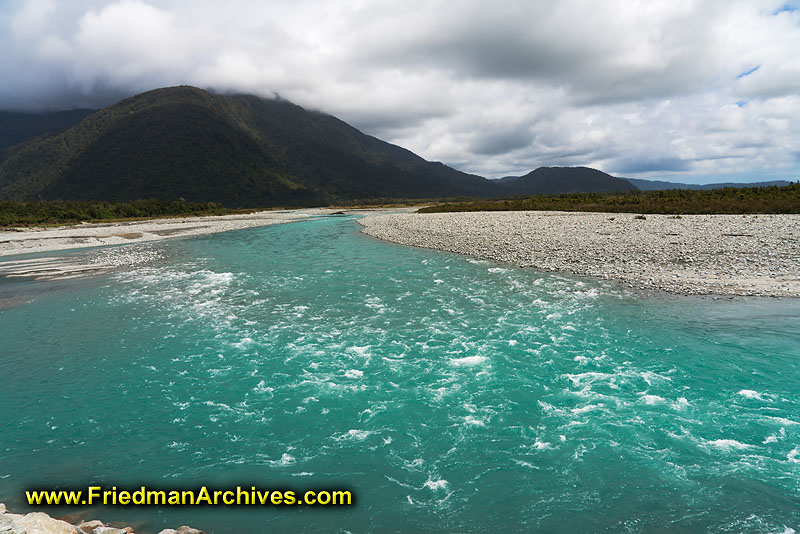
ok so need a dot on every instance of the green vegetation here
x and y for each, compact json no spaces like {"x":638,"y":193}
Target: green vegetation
{"x":785,"y":199}
{"x":241,"y":151}
{"x":49,"y":213}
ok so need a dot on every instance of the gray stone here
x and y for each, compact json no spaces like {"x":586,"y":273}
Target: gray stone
{"x":9,"y":526}
{"x":88,"y":527}
{"x":41,"y":523}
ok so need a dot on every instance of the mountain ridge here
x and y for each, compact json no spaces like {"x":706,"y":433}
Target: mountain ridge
{"x":242,"y":151}
{"x":551,"y":180}
{"x":659,"y":185}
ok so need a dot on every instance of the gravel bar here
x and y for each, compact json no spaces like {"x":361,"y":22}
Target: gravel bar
{"x":19,"y":241}
{"x":687,"y":254}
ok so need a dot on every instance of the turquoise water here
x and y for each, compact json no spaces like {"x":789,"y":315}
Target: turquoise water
{"x":449,"y":394}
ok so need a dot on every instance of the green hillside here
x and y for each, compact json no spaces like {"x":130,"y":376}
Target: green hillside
{"x":557,"y":180}
{"x":183,"y":142}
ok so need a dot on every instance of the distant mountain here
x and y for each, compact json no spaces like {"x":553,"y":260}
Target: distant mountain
{"x":17,"y":127}
{"x":183,"y":142}
{"x":241,"y":150}
{"x":655,"y":185}
{"x":557,"y":180}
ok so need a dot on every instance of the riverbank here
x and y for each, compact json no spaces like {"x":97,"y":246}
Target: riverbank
{"x":688,"y":254}
{"x":78,"y":265}
{"x":41,"y":523}
{"x":31,"y":240}
{"x":33,"y":243}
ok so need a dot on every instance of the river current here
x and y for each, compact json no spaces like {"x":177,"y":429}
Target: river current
{"x":448,"y":394}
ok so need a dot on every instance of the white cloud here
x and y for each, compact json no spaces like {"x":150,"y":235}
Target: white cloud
{"x":646,"y":89}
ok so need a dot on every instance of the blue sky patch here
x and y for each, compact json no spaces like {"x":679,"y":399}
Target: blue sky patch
{"x":788,"y":7}
{"x":749,"y":71}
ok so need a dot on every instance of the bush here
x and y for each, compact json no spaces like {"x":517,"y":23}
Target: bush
{"x":55,"y":212}
{"x":773,"y":199}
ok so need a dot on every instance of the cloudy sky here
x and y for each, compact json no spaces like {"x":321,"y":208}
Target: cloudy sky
{"x":675,"y":89}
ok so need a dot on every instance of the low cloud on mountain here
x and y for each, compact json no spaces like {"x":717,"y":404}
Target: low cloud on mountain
{"x":665,"y":89}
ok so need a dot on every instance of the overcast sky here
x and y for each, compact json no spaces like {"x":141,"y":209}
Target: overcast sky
{"x":679,"y":90}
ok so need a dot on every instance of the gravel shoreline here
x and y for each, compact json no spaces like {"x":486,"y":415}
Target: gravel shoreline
{"x":81,"y":264}
{"x":30,"y":242}
{"x":23,"y":241}
{"x":756,"y":255}
{"x":42,"y":523}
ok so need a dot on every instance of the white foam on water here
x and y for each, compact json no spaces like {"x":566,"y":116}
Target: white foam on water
{"x":435,"y":485}
{"x":360,"y":351}
{"x":467,"y":361}
{"x":728,"y":444}
{"x":794,"y":455}
{"x":497,"y":270}
{"x":354,"y":435}
{"x":218,"y":405}
{"x":750,"y":394}
{"x":542,"y":445}
{"x":782,"y":420}
{"x":243,"y":342}
{"x":261,"y":387}
{"x":474,"y":421}
{"x":413,"y":465}
{"x":650,"y":377}
{"x":652,"y":399}
{"x":549,"y":408}
{"x":591,"y":293}
{"x":589,"y":376}
{"x":354,"y":373}
{"x":285,"y":459}
{"x":680,"y":403}
{"x":587,"y":408}
{"x":375,"y":303}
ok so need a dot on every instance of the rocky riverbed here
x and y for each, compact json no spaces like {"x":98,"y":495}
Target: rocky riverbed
{"x":22,"y":241}
{"x":41,"y":523}
{"x":80,"y":264}
{"x":688,"y":254}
